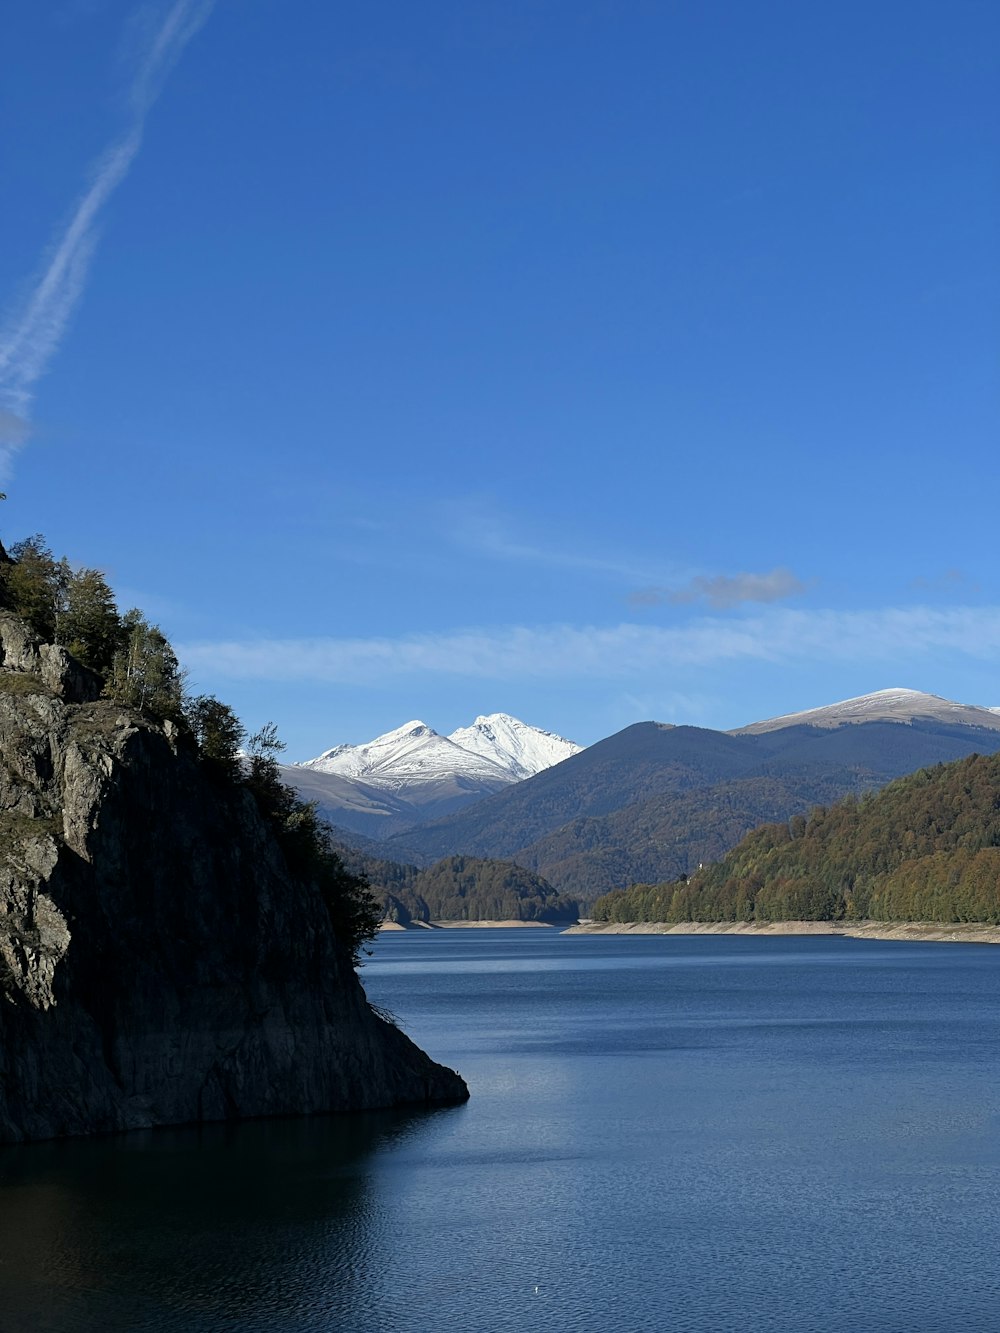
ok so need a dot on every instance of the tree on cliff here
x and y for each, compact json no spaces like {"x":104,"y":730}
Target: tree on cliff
{"x":90,"y":626}
{"x":35,"y":585}
{"x":145,"y":673}
{"x":355,"y":913}
{"x":75,"y":608}
{"x":218,"y":733}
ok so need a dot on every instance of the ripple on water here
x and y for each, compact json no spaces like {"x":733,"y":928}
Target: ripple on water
{"x":805,"y":1142}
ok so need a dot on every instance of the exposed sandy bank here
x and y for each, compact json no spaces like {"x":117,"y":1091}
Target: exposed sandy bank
{"x":965,"y":932}
{"x":464,"y":925}
{"x":544,"y":925}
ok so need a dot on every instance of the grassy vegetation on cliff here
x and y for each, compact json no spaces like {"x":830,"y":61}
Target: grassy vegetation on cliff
{"x":926,"y":848}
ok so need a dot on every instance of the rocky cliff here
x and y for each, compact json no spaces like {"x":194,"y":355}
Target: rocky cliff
{"x":158,"y":962}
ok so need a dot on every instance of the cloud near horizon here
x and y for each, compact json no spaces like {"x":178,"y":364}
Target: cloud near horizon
{"x":31,"y":334}
{"x":617,"y":652}
{"x":722,"y":592}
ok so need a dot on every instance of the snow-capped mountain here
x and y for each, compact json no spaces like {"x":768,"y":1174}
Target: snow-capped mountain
{"x":896,"y":705}
{"x":518,"y":748}
{"x":413,"y":753}
{"x":494,"y":751}
{"x":413,"y":774}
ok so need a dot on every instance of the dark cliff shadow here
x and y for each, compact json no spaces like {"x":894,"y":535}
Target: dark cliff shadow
{"x":269,"y":1225}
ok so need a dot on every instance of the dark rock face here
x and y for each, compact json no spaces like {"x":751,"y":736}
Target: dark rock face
{"x":158,"y":963}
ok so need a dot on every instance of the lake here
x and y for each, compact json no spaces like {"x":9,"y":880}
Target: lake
{"x":665,"y":1133}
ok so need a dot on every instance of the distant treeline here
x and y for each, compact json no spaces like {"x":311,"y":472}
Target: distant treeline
{"x":462,"y":888}
{"x":925,"y":848}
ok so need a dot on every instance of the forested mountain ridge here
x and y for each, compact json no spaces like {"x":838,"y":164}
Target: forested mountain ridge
{"x":925,"y":848}
{"x":460,"y":888}
{"x":653,"y":801}
{"x":668,"y":836}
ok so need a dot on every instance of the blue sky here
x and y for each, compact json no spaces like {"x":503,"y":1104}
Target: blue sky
{"x":588,"y":361}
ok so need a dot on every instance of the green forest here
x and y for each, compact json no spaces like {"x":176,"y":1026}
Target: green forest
{"x":462,"y":888}
{"x":133,"y":664}
{"x":669,"y":834}
{"x":925,"y":848}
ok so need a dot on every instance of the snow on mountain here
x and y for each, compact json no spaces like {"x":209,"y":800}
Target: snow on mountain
{"x":521,"y":749}
{"x":495,"y":750}
{"x":413,"y":753}
{"x":897,"y":705}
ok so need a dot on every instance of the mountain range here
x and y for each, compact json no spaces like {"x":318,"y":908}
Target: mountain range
{"x":654,"y":801}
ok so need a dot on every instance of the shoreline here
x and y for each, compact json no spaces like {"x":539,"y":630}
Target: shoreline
{"x":972,"y":932}
{"x":468,"y":925}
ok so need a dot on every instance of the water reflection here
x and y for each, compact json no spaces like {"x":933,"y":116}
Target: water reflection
{"x":808,"y":1143}
{"x":219,"y":1226}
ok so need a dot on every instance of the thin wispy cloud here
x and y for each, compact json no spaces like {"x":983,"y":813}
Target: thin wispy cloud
{"x":722,"y":592}
{"x":32,"y":333}
{"x":951,"y":581}
{"x":14,"y":430}
{"x":636,"y":706}
{"x":620,"y":652}
{"x":472,"y":525}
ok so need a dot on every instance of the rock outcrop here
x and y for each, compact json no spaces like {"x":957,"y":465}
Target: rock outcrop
{"x":159,"y":964}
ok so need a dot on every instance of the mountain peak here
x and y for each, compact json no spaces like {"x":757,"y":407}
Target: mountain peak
{"x":497,"y":749}
{"x":521,"y":749}
{"x":898,"y":704}
{"x":408,"y":729}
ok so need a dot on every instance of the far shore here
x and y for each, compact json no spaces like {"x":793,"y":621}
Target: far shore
{"x":962,"y":932}
{"x":465,"y":925}
{"x":966,"y":932}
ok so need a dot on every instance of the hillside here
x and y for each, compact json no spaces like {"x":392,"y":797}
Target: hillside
{"x":461,"y":888}
{"x":667,"y":836}
{"x":464,"y":888}
{"x":926,"y":848}
{"x":642,"y":761}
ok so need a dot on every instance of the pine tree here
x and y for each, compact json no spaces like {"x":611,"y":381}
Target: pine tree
{"x":35,"y":586}
{"x":90,"y":627}
{"x":218,"y":733}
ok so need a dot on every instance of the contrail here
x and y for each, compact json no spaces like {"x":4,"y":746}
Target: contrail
{"x":31,"y":336}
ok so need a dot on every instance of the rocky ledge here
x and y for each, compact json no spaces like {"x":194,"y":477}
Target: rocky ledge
{"x":159,"y":964}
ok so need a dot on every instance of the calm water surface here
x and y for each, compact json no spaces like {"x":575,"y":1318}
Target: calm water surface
{"x":700,"y":1133}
